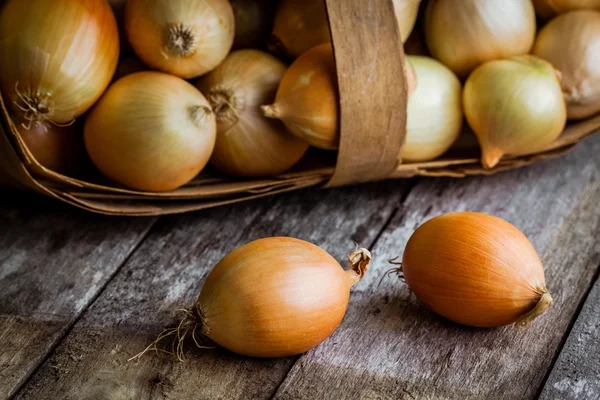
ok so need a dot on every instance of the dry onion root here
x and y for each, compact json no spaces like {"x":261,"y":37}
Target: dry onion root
{"x":514,"y":106}
{"x":151,"y":131}
{"x":307,"y":98}
{"x":248,"y":143}
{"x":184,"y":38}
{"x":477,"y":270}
{"x":571,"y":43}
{"x":464,"y":34}
{"x":273,"y":297}
{"x":56,"y":57}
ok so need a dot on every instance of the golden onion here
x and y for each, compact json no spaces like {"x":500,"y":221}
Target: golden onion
{"x":547,"y":9}
{"x":464,"y":34}
{"x":56,"y":57}
{"x":571,"y":43}
{"x":248,"y":143}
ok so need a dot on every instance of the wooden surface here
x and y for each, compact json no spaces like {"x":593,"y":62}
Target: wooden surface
{"x":80,"y":295}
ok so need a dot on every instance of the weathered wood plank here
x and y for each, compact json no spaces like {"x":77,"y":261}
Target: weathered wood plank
{"x":166,"y":274}
{"x":53,"y":261}
{"x":576,"y":373}
{"x":390,"y":347}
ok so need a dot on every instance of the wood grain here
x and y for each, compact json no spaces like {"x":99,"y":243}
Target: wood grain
{"x":390,"y":347}
{"x":166,"y":274}
{"x":53,"y":262}
{"x":576,"y":374}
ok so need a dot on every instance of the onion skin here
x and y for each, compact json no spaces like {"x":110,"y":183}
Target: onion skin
{"x":468,"y":33}
{"x":57,"y":148}
{"x":547,"y":9}
{"x":514,"y":106}
{"x":183,"y":38}
{"x":301,"y":25}
{"x":236,"y":89}
{"x":307,"y":98}
{"x":151,"y":132}
{"x":434,"y":111}
{"x":56,"y":57}
{"x":571,"y":43}
{"x":253,"y":22}
{"x":477,"y":270}
{"x":276,"y":297}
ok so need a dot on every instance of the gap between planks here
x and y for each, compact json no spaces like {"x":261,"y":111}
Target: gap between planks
{"x":93,"y":299}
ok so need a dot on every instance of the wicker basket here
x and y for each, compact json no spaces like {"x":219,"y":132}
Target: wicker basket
{"x":372,"y":119}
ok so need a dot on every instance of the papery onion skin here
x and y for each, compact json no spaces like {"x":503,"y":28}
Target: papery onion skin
{"x":571,"y":43}
{"x":468,"y":33}
{"x":248,"y":143}
{"x":476,"y":269}
{"x":151,"y":132}
{"x":302,"y":24}
{"x":253,"y":22}
{"x":58,"y":148}
{"x":307,"y":99}
{"x":276,"y":297}
{"x":56,"y":57}
{"x":183,"y":38}
{"x":547,"y":9}
{"x":514,"y":106}
{"x":434,"y":111}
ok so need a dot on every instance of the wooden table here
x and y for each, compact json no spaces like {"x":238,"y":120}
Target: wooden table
{"x":80,"y":294}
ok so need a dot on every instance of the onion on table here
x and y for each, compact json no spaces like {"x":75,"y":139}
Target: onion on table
{"x":477,"y":270}
{"x":56,"y":57}
{"x":434,"y":111}
{"x":248,"y":143}
{"x":151,"y":132}
{"x":273,"y":297}
{"x":571,"y":43}
{"x":186,"y":38}
{"x":514,"y":106}
{"x":464,"y":34}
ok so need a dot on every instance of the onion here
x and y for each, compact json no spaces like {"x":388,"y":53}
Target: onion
{"x":302,"y":24}
{"x":273,"y":297}
{"x":307,"y":98}
{"x":56,"y":57}
{"x":236,"y":89}
{"x":464,"y":34}
{"x":184,"y":38}
{"x":253,"y":22}
{"x":571,"y":43}
{"x":514,"y":106}
{"x":547,"y":9}
{"x":151,"y":131}
{"x":58,"y":148}
{"x":477,"y":270}
{"x":434,"y":111}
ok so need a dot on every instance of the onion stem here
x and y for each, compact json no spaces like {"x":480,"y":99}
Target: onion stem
{"x":542,"y":305}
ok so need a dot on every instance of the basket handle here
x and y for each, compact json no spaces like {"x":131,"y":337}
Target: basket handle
{"x":369,"y":60}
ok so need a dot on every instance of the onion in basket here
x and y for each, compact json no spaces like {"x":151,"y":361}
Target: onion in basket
{"x":477,"y":270}
{"x":302,"y":24}
{"x":307,"y":98}
{"x":186,"y":38}
{"x":514,"y":106}
{"x":434,"y":111}
{"x":463,"y":34}
{"x":151,"y":131}
{"x":273,"y":297}
{"x":571,"y":43}
{"x":56,"y":57}
{"x":547,"y":9}
{"x":248,"y":143}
